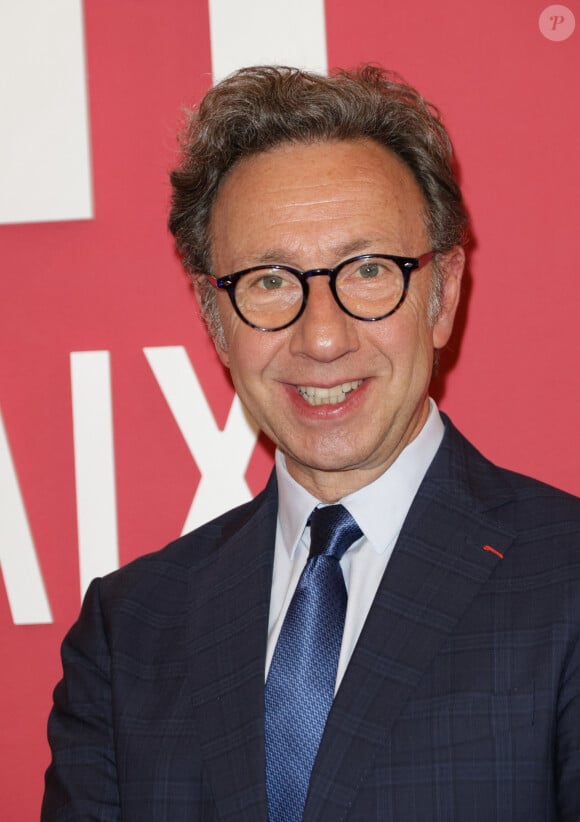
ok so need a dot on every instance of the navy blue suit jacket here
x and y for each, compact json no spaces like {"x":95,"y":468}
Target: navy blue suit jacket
{"x":461,"y":701}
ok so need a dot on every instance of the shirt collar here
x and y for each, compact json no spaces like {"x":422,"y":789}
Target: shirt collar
{"x":379,"y":508}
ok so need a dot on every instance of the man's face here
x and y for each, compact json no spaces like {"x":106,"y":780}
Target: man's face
{"x":340,"y":397}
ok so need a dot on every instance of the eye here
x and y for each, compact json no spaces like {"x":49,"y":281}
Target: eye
{"x":369,"y":270}
{"x":266,"y":279}
{"x":271,"y":282}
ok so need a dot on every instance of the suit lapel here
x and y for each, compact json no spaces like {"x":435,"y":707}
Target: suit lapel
{"x":230,"y":594}
{"x":437,"y":568}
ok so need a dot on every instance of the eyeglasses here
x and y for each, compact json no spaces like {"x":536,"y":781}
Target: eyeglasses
{"x":369,"y":287}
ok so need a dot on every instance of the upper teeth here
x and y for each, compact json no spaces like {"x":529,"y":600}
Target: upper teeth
{"x":327,"y":396}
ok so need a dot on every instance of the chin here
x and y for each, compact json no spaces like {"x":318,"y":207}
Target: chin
{"x":330,"y":460}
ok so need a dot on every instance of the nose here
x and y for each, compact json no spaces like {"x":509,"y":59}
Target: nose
{"x":324,"y":332}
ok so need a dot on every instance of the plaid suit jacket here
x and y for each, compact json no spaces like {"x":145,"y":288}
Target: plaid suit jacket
{"x":461,"y":701}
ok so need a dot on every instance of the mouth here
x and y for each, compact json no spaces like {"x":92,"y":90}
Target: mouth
{"x":314,"y":395}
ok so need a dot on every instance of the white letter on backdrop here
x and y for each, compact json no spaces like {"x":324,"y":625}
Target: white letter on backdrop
{"x":94,"y":464}
{"x":22,"y":576}
{"x":42,"y":61}
{"x":221,"y":456}
{"x":266,"y":31}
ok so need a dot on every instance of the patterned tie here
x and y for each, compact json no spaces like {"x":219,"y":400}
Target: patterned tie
{"x":302,"y":677}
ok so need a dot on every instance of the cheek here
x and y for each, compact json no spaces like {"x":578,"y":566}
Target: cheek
{"x":249,"y":354}
{"x":240,"y":343}
{"x":403,"y":336}
{"x":408,"y":348}
{"x":239,"y":361}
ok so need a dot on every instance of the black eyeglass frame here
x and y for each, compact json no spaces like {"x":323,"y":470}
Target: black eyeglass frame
{"x":406,"y":265}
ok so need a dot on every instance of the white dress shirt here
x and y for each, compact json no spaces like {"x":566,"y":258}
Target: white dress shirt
{"x":379,"y":509}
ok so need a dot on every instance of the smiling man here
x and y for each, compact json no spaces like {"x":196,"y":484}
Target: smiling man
{"x":390,"y":631}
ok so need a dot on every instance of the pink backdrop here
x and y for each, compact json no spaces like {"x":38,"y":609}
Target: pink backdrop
{"x":510,"y":98}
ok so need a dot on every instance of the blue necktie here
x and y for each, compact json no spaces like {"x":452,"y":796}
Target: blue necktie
{"x":302,"y":676}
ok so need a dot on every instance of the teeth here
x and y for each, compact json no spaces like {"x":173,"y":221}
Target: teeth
{"x":327,"y":396}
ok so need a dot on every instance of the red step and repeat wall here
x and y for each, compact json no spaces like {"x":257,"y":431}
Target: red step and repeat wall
{"x":118,"y":427}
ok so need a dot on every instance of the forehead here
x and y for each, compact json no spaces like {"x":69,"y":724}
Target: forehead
{"x":315,"y":198}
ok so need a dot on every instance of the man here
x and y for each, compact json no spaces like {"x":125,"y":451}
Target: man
{"x":228,"y":677}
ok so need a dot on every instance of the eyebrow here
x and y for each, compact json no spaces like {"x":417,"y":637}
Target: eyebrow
{"x":342,"y":251}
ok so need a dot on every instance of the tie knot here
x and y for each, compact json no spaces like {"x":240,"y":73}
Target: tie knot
{"x":332,"y":531}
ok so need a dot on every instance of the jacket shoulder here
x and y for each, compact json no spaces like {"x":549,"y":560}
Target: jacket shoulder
{"x":522,"y":503}
{"x":171,"y":565}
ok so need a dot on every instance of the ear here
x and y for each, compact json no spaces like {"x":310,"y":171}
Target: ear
{"x":452,"y":265}
{"x":221,"y":352}
{"x":216,"y":334}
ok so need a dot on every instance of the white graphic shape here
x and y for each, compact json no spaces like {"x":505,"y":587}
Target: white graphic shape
{"x":22,"y":576}
{"x":45,"y":171}
{"x":221,"y":456}
{"x":275,"y":32}
{"x":94,"y":464}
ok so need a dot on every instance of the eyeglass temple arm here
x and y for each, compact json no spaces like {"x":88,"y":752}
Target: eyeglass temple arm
{"x":425,"y":258}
